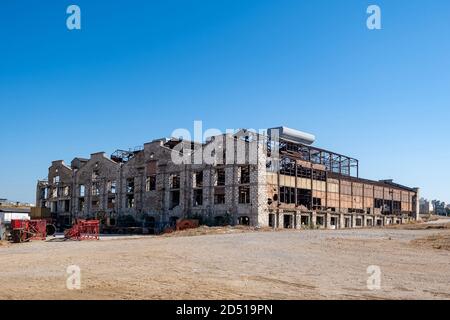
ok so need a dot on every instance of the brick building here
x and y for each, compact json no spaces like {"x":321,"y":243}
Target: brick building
{"x":271,"y":179}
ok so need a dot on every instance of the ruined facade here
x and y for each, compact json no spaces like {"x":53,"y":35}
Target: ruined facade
{"x":300,"y":187}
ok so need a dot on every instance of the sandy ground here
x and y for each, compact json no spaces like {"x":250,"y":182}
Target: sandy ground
{"x":415,"y":264}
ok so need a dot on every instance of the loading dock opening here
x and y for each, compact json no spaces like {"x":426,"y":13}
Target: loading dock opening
{"x":334,"y":222}
{"x":320,"y":221}
{"x":304,"y":220}
{"x":271,"y":220}
{"x":288,"y":221}
{"x":244,"y":221}
{"x":348,"y":222}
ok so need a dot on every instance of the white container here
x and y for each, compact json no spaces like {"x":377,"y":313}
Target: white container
{"x":293,"y":135}
{"x":6,"y":217}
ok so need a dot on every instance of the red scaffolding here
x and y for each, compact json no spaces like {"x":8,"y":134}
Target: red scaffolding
{"x":26,"y":230}
{"x":84,"y":230}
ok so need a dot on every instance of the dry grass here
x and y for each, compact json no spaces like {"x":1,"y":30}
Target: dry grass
{"x":430,"y":218}
{"x":439,"y":241}
{"x":419,"y":226}
{"x":204,"y":230}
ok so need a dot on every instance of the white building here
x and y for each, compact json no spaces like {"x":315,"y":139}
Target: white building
{"x":425,"y":206}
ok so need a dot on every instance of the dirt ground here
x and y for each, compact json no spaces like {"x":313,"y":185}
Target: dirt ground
{"x":235,"y":264}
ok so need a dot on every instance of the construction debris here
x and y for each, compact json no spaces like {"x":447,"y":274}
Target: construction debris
{"x":184,"y":224}
{"x":84,"y":230}
{"x":27,"y":230}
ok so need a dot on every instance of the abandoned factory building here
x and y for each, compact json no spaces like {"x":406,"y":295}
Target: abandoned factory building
{"x":288,"y":184}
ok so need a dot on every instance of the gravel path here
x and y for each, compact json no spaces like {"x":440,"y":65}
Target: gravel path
{"x":259,"y":265}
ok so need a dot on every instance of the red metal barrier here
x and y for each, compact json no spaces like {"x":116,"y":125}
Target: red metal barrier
{"x":26,"y":230}
{"x":19,"y":224}
{"x":84,"y":230}
{"x":39,"y":229}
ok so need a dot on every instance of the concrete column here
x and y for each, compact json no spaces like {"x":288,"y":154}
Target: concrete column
{"x":280,"y":220}
{"x":341,"y":221}
{"x":416,"y":212}
{"x":298,"y":221}
{"x":314,"y":219}
{"x":327,"y":220}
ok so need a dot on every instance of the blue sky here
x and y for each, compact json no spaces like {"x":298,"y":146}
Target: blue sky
{"x":140,"y":69}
